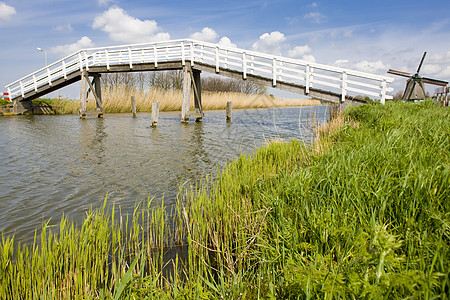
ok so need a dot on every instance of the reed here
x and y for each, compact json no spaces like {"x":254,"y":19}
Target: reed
{"x":367,"y":216}
{"x":118,"y":100}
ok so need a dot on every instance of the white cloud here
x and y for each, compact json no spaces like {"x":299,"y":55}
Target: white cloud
{"x":314,"y":4}
{"x":6,"y":11}
{"x":270,"y":43}
{"x":371,"y":66}
{"x":206,"y":35}
{"x":316,"y":17}
{"x":105,"y":2}
{"x":122,"y":27}
{"x":64,"y":50}
{"x":341,"y":63}
{"x":309,"y":58}
{"x":64,"y":28}
{"x":445,"y":73}
{"x":225,"y":41}
{"x":299,"y":51}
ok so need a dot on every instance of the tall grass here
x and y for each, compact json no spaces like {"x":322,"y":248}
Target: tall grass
{"x":118,"y":100}
{"x":363,"y":213}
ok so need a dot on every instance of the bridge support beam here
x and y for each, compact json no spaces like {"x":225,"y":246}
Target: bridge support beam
{"x":197,"y":84}
{"x":22,"y":107}
{"x":86,"y":87}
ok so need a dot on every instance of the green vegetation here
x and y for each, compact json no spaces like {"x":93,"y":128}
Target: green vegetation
{"x":4,"y":102}
{"x":362,"y":213}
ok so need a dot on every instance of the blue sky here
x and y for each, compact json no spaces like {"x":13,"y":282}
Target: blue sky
{"x":370,"y":36}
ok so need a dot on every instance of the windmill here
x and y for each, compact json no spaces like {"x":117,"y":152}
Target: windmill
{"x":414,"y":85}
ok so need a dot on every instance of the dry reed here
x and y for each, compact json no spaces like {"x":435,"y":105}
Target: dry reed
{"x":118,"y":100}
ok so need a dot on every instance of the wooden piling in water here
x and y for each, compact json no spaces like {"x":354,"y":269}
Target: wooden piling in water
{"x":97,"y":85}
{"x":133,"y":106}
{"x":155,"y":113}
{"x":229,"y":107}
{"x":186,"y":93}
{"x":83,"y":95}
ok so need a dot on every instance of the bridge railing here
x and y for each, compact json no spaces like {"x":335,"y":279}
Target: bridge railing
{"x":277,"y":68}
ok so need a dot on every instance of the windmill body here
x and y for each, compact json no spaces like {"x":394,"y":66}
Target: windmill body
{"x":415,"y":89}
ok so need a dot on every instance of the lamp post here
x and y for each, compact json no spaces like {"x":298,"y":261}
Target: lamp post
{"x":45,"y":53}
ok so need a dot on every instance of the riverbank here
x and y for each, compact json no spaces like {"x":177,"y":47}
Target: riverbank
{"x":361,"y":213}
{"x":118,"y":100}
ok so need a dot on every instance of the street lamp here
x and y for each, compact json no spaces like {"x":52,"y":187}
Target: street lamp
{"x":45,"y":53}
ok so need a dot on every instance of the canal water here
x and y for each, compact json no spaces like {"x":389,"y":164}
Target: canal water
{"x":62,"y":165}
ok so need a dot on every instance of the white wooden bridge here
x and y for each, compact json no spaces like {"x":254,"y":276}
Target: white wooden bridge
{"x":327,"y":83}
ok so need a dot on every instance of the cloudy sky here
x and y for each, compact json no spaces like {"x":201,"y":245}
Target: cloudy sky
{"x":370,"y":36}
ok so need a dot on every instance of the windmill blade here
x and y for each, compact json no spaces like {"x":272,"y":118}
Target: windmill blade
{"x":434,"y":81}
{"x":399,"y":73}
{"x":421,"y":62}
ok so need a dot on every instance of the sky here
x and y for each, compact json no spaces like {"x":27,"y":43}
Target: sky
{"x":370,"y":36}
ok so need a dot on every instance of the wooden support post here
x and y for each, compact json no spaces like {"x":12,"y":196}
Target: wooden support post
{"x":133,"y":106}
{"x":186,"y":93}
{"x":155,"y":113}
{"x":83,"y":95}
{"x":98,"y":94}
{"x":229,"y":107}
{"x":197,"y":95}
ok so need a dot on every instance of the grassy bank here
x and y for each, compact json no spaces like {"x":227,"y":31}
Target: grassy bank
{"x":118,"y":100}
{"x":363,"y":213}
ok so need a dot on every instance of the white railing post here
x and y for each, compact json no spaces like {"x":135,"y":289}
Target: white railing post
{"x":49,"y":77}
{"x":202,"y":55}
{"x":107,"y":58}
{"x":344,"y":86}
{"x":307,"y":78}
{"x":252,"y":70}
{"x":9,"y":93}
{"x":183,"y":59}
{"x":130,"y":57}
{"x":226,"y":59}
{"x":21,"y":90}
{"x":274,"y":72}
{"x":192,"y":54}
{"x":142,"y":56}
{"x":244,"y":66}
{"x":80,"y":61}
{"x":383,"y":91}
{"x":217,"y":59}
{"x":280,"y":73}
{"x":86,"y":60}
{"x":155,"y":56}
{"x":64,"y":69}
{"x":311,"y":77}
{"x":35,"y":83}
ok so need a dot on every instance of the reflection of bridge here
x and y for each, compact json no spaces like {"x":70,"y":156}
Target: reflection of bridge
{"x":323,"y":82}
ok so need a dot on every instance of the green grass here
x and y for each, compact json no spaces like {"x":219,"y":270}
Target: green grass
{"x":363,"y":213}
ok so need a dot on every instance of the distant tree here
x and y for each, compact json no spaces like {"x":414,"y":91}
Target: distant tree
{"x":174,"y":80}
